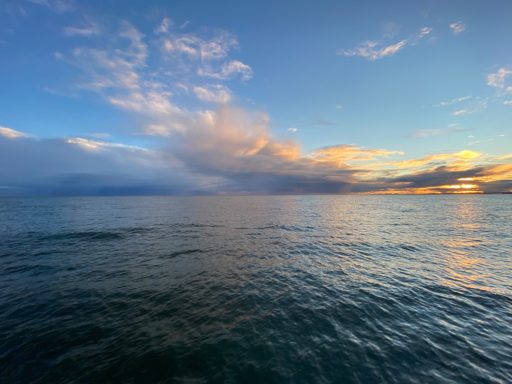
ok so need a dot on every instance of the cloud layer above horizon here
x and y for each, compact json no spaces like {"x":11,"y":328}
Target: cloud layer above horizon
{"x":178,"y":86}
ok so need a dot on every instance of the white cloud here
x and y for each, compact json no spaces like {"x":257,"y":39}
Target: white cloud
{"x":465,"y":104}
{"x":473,"y":109}
{"x":95,"y":145}
{"x":457,"y":27}
{"x":157,"y":130}
{"x":213,"y":93}
{"x":151,"y":103}
{"x":424,"y":31}
{"x":119,"y":73}
{"x":461,"y":112}
{"x":90,"y":29}
{"x":228,"y":70}
{"x":11,"y":133}
{"x":373,"y":50}
{"x":454,"y":101}
{"x":500,"y":79}
{"x":164,"y":26}
{"x":507,"y":102}
{"x":194,"y":46}
{"x":370,"y":50}
{"x":293,"y":129}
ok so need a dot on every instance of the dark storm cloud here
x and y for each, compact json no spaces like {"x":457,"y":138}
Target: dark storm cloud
{"x":442,"y":175}
{"x":29,"y":166}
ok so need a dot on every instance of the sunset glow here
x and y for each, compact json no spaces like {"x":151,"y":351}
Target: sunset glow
{"x":183,"y":102}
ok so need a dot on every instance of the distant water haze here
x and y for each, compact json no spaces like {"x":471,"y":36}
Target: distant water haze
{"x":273,"y":289}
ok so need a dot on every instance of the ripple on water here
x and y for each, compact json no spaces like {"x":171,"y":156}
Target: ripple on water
{"x":274,"y":289}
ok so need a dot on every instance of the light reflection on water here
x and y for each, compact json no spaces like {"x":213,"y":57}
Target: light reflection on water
{"x":256,"y":289}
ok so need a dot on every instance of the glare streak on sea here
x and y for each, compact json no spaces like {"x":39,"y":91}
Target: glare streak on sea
{"x":246,"y":289}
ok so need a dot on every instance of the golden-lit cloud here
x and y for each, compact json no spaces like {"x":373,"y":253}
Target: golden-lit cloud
{"x":339,"y":155}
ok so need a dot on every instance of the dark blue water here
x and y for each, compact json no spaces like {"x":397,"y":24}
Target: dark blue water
{"x":296,"y":289}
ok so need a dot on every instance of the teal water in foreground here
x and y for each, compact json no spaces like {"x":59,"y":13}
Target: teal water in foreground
{"x":288,"y":289}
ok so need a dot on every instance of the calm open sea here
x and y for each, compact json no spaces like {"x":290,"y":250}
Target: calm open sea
{"x":288,"y":289}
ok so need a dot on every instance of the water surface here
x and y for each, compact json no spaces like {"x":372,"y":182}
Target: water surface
{"x":288,"y":289}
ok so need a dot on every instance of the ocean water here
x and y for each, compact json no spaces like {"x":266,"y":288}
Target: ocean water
{"x":287,"y":289}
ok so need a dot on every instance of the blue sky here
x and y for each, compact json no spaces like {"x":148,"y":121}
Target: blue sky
{"x":255,"y":97}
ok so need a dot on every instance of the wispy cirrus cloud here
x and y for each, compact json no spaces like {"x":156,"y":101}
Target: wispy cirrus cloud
{"x":475,"y":106}
{"x":57,"y":6}
{"x":465,"y":105}
{"x":455,"y":100}
{"x":86,"y":29}
{"x":227,"y":71}
{"x":374,"y":50}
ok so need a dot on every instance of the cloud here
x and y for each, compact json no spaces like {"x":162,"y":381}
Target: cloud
{"x":227,"y":149}
{"x":57,"y":6}
{"x":111,"y":69}
{"x":11,"y":133}
{"x":164,"y":27}
{"x":231,"y":150}
{"x":457,"y":27}
{"x":507,"y":102}
{"x":194,"y":46}
{"x":228,"y":71}
{"x":213,"y":93}
{"x":501,"y":79}
{"x":474,"y":107}
{"x":118,"y":71}
{"x":96,"y":145}
{"x":86,"y":30}
{"x":461,"y":112}
{"x":374,"y":50}
{"x":454,"y":101}
{"x":343,"y":155}
{"x":424,"y":32}
{"x":457,"y":159}
{"x":91,"y":167}
{"x":293,"y":129}
{"x":158,"y":130}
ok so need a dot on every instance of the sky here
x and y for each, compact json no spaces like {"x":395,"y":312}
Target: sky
{"x":255,"y":97}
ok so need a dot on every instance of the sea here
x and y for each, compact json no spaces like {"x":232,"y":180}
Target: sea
{"x":256,"y":289}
